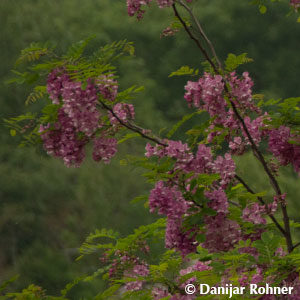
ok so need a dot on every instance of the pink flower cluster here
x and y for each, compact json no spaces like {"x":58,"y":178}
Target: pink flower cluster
{"x":126,"y":264}
{"x":134,"y":7}
{"x":180,"y":239}
{"x":170,"y":202}
{"x":62,"y":140}
{"x":253,"y":213}
{"x":284,"y":151}
{"x":295,"y":4}
{"x":137,"y":271}
{"x":241,"y":91}
{"x":104,"y":149}
{"x":80,"y":106}
{"x":202,"y":162}
{"x":208,"y":94}
{"x":107,"y":87}
{"x":79,"y":118}
{"x":221,"y":233}
{"x":218,"y":200}
{"x":197,"y":266}
{"x":123,"y":112}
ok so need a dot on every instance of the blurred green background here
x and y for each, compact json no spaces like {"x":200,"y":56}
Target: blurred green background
{"x":46,"y":209}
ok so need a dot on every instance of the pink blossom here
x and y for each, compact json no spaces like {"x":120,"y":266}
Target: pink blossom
{"x":177,"y":238}
{"x":218,"y":201}
{"x":63,"y":142}
{"x":221,"y":233}
{"x":123,"y":111}
{"x":137,"y":271}
{"x":284,"y":151}
{"x":241,"y":90}
{"x":253,"y":213}
{"x":168,"y":200}
{"x":104,"y":149}
{"x":207,"y":94}
{"x":134,"y":7}
{"x":224,"y":166}
{"x":164,"y":3}
{"x":107,"y":87}
{"x":158,"y":293}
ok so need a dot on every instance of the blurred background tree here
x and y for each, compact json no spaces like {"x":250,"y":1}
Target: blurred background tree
{"x":46,"y":209}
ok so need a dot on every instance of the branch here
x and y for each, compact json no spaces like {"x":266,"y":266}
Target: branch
{"x":202,"y":33}
{"x":255,"y":149}
{"x":194,"y":38}
{"x":134,"y":127}
{"x":260,"y":199}
{"x":295,"y":246}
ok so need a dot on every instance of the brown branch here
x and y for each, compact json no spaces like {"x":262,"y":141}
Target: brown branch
{"x":202,"y":33}
{"x":260,"y":199}
{"x":272,"y":179}
{"x":295,"y":246}
{"x":255,"y":149}
{"x":134,"y":127}
{"x":194,"y":38}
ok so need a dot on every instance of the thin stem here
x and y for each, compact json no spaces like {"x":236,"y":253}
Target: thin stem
{"x":202,"y":33}
{"x":205,"y":54}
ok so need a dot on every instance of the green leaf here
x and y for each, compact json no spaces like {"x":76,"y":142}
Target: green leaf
{"x":181,"y":122}
{"x":37,"y":93}
{"x":262,"y":9}
{"x":139,"y":199}
{"x":184,"y":70}
{"x":200,"y":238}
{"x":128,"y":136}
{"x":8,"y":282}
{"x":77,"y":49}
{"x":33,"y":53}
{"x":13,"y":132}
{"x":207,"y":179}
{"x":50,"y":112}
{"x":108,"y":293}
{"x":233,"y":61}
{"x":70,"y":285}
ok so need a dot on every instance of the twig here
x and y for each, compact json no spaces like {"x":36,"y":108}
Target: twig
{"x":296,"y":245}
{"x":260,"y":199}
{"x":202,"y":33}
{"x":134,"y":127}
{"x":194,"y":38}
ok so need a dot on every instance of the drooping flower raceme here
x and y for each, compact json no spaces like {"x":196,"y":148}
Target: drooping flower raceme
{"x":123,"y":112}
{"x":221,"y":233}
{"x":79,"y":118}
{"x":168,"y":200}
{"x":104,"y":149}
{"x":284,"y":151}
{"x":62,"y":140}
